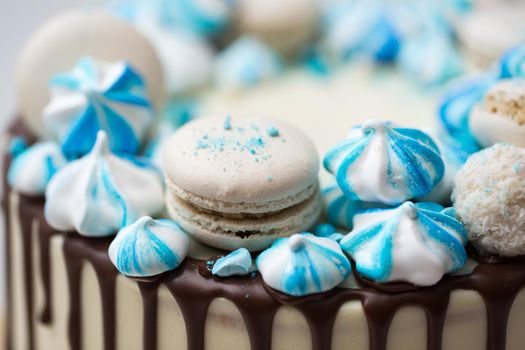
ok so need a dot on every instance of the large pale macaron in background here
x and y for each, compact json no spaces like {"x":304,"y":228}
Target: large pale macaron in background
{"x":501,"y":116}
{"x":286,"y":25}
{"x":241,"y":182}
{"x":62,"y":41}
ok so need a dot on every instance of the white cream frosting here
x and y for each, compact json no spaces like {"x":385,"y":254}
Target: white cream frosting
{"x":149,"y":247}
{"x":101,"y":193}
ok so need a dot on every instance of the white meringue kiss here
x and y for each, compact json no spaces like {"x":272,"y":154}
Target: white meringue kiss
{"x":101,"y":193}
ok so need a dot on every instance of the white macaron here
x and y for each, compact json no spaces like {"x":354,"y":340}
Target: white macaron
{"x":241,"y":182}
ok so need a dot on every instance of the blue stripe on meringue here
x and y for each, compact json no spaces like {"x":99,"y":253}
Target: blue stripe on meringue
{"x":457,"y":102}
{"x":450,"y":244}
{"x":351,"y":147}
{"x":32,"y":168}
{"x":512,"y":64}
{"x":424,"y":166}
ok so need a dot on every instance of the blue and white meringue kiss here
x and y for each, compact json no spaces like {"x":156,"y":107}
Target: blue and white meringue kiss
{"x":360,"y":27}
{"x":303,"y":264}
{"x":205,"y":17}
{"x":430,"y":58}
{"x":340,"y":209}
{"x":149,"y":247}
{"x":245,"y":63}
{"x":414,"y":243}
{"x":460,"y":97}
{"x":98,"y":96}
{"x":512,"y":64}
{"x":237,"y":263}
{"x":378,"y":162}
{"x":32,"y":168}
{"x":100,"y":193}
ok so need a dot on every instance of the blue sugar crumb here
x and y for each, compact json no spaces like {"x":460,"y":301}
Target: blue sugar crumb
{"x":209,"y":265}
{"x":227,"y":123}
{"x":272,"y":131}
{"x":254,"y":127}
{"x":269,"y":178}
{"x":517,"y":167}
{"x":252,"y":151}
{"x":17,"y":146}
{"x":201,"y":144}
{"x":255,"y":142}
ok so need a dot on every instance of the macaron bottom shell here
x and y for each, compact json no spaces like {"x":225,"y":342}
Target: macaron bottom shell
{"x":251,"y":232}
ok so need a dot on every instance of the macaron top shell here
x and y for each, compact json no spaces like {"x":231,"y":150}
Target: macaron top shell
{"x":241,"y":160}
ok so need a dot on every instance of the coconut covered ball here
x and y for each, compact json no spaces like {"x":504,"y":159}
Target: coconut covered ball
{"x":489,"y":197}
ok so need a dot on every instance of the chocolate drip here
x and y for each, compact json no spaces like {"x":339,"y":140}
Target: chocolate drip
{"x":27,"y":254}
{"x":195,"y":292}
{"x":77,"y":251}
{"x":149,"y":293}
{"x":7,"y":254}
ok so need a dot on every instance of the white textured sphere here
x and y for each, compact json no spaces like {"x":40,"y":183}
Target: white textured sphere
{"x":489,"y":198}
{"x":59,"y":43}
{"x":286,"y":25}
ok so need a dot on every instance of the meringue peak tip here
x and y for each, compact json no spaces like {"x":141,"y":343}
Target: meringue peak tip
{"x":102,"y":142}
{"x":374,"y":126}
{"x":296,"y":242}
{"x":409,"y":209}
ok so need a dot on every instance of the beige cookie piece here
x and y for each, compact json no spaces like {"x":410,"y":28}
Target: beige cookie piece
{"x":501,"y":116}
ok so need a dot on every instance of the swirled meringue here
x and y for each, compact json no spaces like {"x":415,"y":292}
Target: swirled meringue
{"x":378,"y":162}
{"x":360,"y":27}
{"x":32,"y":168}
{"x":245,"y":63}
{"x":303,"y":264}
{"x":413,"y":243}
{"x":327,"y":231}
{"x":458,"y":100}
{"x":456,"y":148}
{"x":237,"y":263}
{"x":101,"y":192}
{"x":512,"y":64}
{"x":206,"y":17}
{"x":98,"y":96}
{"x":149,"y":247}
{"x":340,"y":209}
{"x":430,"y":58}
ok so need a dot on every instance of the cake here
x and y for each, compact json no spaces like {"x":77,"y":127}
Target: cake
{"x":124,"y":231}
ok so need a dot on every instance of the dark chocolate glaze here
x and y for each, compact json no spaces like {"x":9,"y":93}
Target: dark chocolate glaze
{"x":194,"y":288}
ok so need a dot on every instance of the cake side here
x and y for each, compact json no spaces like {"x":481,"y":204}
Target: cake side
{"x":101,"y":304}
